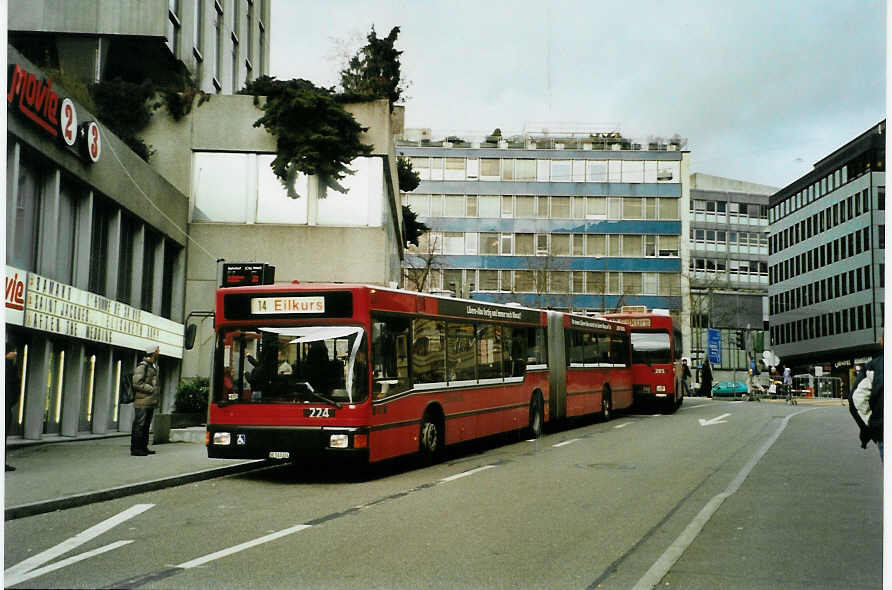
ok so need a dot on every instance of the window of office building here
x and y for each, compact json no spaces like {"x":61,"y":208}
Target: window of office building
{"x":507,"y":169}
{"x":99,"y":245}
{"x":632,"y":245}
{"x":559,"y":281}
{"x":523,"y":244}
{"x":490,"y":206}
{"x":560,"y":244}
{"x":23,"y":228}
{"x":470,"y":205}
{"x":596,"y":208}
{"x":542,"y":170}
{"x":173,"y":27}
{"x":489,"y":243}
{"x":69,"y":197}
{"x":596,"y":282}
{"x":454,"y":206}
{"x":560,"y":171}
{"x":171,"y":251}
{"x":560,"y":207}
{"x":150,"y":247}
{"x":216,"y":57}
{"x":596,"y":170}
{"x":632,"y":208}
{"x":454,"y":243}
{"x":632,"y":283}
{"x":524,"y":206}
{"x":489,"y":169}
{"x":455,"y":169}
{"x":437,"y":168}
{"x":596,"y":245}
{"x":489,"y":280}
{"x":669,"y":245}
{"x":633,"y":171}
{"x":525,"y":170}
{"x":507,"y":206}
{"x":578,"y":170}
{"x":129,"y":226}
{"x":668,"y":208}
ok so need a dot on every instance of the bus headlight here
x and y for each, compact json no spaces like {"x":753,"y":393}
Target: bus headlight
{"x":222,"y":438}
{"x":339,"y":441}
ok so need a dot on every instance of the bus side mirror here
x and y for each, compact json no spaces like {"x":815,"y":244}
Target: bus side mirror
{"x":189,"y":336}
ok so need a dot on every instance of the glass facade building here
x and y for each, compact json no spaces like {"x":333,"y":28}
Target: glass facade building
{"x":827,"y":259}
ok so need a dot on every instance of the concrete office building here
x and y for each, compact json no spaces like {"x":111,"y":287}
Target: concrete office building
{"x":567,"y":219}
{"x":240,"y":212}
{"x":96,"y":258}
{"x":728,"y":267}
{"x":827,"y":260}
{"x":95,"y":261}
{"x":222,"y":43}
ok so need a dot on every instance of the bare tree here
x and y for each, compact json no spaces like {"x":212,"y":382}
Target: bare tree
{"x":422,"y":261}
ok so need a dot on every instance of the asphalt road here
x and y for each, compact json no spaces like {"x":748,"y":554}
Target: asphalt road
{"x":718,"y":495}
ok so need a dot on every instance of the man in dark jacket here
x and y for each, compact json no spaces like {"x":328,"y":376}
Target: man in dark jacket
{"x":873,"y":430}
{"x":146,"y":391}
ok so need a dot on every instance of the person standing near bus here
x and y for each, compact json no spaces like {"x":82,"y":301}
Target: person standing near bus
{"x":146,"y":391}
{"x":706,"y":379}
{"x":685,"y":375}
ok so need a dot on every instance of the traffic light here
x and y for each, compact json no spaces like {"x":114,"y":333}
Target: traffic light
{"x":741,"y":339}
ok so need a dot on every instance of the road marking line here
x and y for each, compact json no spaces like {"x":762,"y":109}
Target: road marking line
{"x":665,"y":562}
{"x":695,"y":407}
{"x":242,"y":546}
{"x":566,"y":442}
{"x":18,"y":579}
{"x":74,"y":542}
{"x":465,"y":473}
{"x":622,"y":425}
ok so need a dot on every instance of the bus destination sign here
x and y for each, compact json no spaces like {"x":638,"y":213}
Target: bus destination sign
{"x":280,"y":305}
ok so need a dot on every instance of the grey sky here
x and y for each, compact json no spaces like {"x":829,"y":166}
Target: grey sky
{"x":761,"y":89}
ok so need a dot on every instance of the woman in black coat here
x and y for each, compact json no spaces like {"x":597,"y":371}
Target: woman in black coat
{"x":706,"y":379}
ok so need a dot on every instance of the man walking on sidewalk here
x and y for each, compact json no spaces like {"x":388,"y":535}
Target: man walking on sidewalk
{"x":146,"y":390}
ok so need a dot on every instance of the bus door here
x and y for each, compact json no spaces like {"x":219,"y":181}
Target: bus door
{"x":557,"y":367}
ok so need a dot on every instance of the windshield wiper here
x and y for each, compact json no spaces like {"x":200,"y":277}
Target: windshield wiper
{"x":317,"y":395}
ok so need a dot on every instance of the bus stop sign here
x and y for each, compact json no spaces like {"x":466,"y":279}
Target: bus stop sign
{"x":714,"y":346}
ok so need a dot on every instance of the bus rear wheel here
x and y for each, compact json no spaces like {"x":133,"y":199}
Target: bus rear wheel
{"x":431,"y":439}
{"x":537,"y":419}
{"x":606,"y":406}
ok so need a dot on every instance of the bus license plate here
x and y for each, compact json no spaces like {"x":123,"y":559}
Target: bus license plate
{"x":279,"y":454}
{"x":319,"y":413}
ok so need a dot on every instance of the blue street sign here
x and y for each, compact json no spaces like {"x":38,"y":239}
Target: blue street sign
{"x":714,"y":346}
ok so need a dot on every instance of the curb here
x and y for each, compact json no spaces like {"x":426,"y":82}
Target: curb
{"x":44,"y":506}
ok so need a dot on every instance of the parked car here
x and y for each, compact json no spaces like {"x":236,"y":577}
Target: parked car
{"x":729,"y":388}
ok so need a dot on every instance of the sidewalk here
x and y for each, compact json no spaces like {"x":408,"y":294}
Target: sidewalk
{"x":56,"y":475}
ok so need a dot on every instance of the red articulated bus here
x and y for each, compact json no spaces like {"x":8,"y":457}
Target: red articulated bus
{"x":656,"y":356}
{"x":304,"y":370}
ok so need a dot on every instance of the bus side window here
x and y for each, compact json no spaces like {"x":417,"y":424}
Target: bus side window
{"x":515,"y":353}
{"x":536,"y":349}
{"x":390,"y":356}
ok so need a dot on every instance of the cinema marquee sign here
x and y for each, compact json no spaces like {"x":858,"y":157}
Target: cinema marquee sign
{"x":36,"y":100}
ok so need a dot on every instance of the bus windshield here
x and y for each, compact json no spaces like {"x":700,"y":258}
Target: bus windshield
{"x":293,"y":364}
{"x":651,"y":348}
